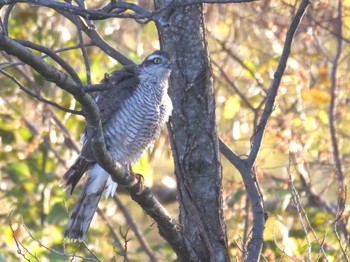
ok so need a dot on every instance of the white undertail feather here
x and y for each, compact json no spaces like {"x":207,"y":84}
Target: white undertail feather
{"x":111,"y":187}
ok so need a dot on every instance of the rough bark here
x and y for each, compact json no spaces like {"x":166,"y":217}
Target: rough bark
{"x":194,"y":135}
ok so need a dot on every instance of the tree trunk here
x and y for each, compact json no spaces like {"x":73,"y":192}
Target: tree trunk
{"x":194,"y":135}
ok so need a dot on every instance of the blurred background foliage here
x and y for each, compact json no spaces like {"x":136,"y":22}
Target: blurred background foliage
{"x":38,"y":142}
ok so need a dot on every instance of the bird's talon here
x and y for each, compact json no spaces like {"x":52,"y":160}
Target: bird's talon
{"x":139,"y":184}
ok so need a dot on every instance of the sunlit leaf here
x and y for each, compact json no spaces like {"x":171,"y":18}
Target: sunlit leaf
{"x":316,"y":96}
{"x":231,"y":107}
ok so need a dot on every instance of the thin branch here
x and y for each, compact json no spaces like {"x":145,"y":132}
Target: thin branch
{"x":332,"y":129}
{"x":90,"y":14}
{"x":281,"y":249}
{"x":270,"y":101}
{"x":296,"y":200}
{"x":91,"y":252}
{"x":230,"y":155}
{"x":300,"y":207}
{"x":34,"y":130}
{"x":135,"y":229}
{"x":114,"y":234}
{"x":97,"y":40}
{"x":53,"y":250}
{"x":52,"y":55}
{"x":82,"y":47}
{"x":13,"y":64}
{"x":19,"y":245}
{"x":37,"y":96}
{"x":241,"y":63}
{"x":331,"y":115}
{"x":233,"y":86}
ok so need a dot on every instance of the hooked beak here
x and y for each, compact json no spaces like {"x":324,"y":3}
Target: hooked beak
{"x":168,"y":65}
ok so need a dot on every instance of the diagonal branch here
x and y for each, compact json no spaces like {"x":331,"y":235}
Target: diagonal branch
{"x":38,"y":96}
{"x":271,"y":97}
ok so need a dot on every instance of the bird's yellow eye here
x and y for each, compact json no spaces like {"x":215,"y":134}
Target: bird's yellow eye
{"x":156,"y":60}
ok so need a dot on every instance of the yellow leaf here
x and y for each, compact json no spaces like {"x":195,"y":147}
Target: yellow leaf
{"x":316,"y":96}
{"x":231,"y":107}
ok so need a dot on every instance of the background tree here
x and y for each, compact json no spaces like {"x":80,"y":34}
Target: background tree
{"x":50,"y":69}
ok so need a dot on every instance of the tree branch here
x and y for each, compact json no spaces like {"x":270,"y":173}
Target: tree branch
{"x":92,"y":14}
{"x":135,"y":229}
{"x":271,"y":97}
{"x":332,"y":129}
{"x":38,"y":96}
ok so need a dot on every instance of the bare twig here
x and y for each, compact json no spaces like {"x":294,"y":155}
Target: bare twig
{"x":35,"y":131}
{"x":281,"y":249}
{"x":82,"y":47}
{"x":54,"y":57}
{"x":138,"y":12}
{"x":331,"y":116}
{"x":37,"y":96}
{"x":332,"y":129}
{"x":126,"y":240}
{"x":96,"y":38}
{"x":233,"y":86}
{"x":13,"y":64}
{"x":297,"y":204}
{"x":114,"y":233}
{"x":19,"y":245}
{"x":135,"y":229}
{"x":53,"y":250}
{"x":270,"y":101}
{"x":91,"y":252}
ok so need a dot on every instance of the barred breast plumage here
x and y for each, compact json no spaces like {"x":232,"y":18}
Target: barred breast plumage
{"x":132,"y":115}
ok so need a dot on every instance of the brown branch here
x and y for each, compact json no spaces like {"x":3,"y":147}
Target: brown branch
{"x":91,"y":14}
{"x":271,"y":97}
{"x":332,"y":129}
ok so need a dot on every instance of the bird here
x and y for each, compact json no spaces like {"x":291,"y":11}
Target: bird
{"x":133,"y":112}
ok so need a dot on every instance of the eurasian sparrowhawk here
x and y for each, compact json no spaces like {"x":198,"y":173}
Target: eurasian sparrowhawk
{"x":133,"y":112}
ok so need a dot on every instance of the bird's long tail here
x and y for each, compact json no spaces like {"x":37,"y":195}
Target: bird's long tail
{"x":86,"y":206}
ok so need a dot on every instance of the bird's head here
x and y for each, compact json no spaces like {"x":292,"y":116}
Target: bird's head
{"x":157,"y":64}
